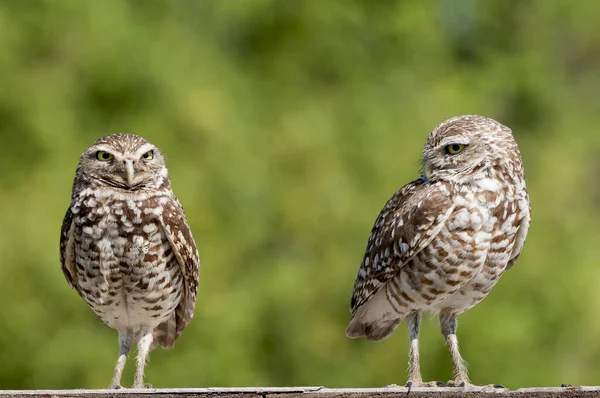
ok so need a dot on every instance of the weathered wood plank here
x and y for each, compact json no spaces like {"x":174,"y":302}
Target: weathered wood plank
{"x":310,"y":392}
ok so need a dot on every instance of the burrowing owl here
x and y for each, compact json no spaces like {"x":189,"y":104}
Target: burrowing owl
{"x":442,"y":241}
{"x":127,"y":249}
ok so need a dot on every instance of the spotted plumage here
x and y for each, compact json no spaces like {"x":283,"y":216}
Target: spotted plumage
{"x":442,"y":242}
{"x":126,"y":246}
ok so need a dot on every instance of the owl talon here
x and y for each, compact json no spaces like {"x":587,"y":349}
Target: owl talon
{"x":419,"y":384}
{"x":457,"y":384}
{"x":115,"y":387}
{"x":468,"y":386}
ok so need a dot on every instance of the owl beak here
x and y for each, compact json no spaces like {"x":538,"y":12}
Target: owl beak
{"x":129,"y":171}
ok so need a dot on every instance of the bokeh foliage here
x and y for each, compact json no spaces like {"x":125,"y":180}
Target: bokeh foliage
{"x":287,"y":125}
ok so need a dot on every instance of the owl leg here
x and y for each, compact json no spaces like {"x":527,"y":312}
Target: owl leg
{"x":125,"y":340}
{"x":448,"y":324}
{"x":144,"y":344}
{"x":413,"y":322}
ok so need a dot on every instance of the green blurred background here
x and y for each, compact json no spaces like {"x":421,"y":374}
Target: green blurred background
{"x":287,"y":125}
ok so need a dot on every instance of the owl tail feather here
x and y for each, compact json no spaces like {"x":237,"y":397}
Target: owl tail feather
{"x":376,"y":318}
{"x":374,"y":331}
{"x":165,"y":334}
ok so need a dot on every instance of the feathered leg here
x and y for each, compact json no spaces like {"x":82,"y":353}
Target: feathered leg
{"x":125,"y":340}
{"x":144,"y":344}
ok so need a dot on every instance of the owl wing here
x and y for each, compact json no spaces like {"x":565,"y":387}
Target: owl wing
{"x":408,"y":222}
{"x":182,"y":243}
{"x":67,"y":249}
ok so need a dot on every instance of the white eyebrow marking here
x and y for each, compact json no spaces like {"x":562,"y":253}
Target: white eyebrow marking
{"x":143,"y":149}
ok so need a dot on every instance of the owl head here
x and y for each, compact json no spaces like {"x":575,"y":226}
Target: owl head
{"x":464,"y":149}
{"x":124,"y":161}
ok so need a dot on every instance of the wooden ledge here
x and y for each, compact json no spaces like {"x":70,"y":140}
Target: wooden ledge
{"x":309,"y":392}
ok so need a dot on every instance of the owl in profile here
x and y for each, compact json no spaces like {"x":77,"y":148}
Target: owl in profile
{"x":441,"y":242}
{"x":127,"y":249}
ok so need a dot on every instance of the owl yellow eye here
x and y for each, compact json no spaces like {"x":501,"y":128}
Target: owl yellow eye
{"x":103,"y":156}
{"x":148,"y":155}
{"x":454,"y":149}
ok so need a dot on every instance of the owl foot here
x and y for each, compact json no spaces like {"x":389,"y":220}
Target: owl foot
{"x":115,"y":387}
{"x":468,"y":386}
{"x":459,"y":383}
{"x":420,"y":384}
{"x":141,"y":386}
